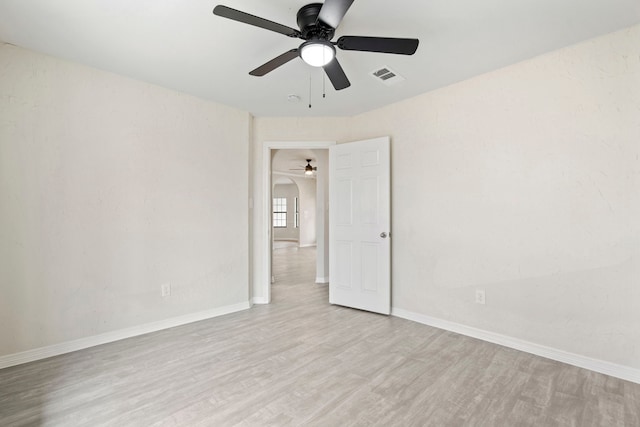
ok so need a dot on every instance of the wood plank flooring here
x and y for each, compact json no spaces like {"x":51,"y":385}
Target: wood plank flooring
{"x":301,"y":361}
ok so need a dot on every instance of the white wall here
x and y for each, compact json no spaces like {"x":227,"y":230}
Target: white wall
{"x":523,"y":182}
{"x":307,"y":189}
{"x":110,"y":187}
{"x":322,"y":216}
{"x":289,"y":192}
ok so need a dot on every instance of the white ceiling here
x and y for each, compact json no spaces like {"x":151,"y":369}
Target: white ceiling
{"x":181,"y":45}
{"x":283,"y":161}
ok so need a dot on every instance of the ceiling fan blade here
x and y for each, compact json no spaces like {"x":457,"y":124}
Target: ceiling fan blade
{"x":379,"y":44}
{"x":275,"y":63}
{"x":333,"y":11}
{"x":336,"y":74}
{"x":236,"y":15}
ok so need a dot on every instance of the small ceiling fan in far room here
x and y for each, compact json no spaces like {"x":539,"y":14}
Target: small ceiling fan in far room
{"x":308,"y":169}
{"x":318,"y":23}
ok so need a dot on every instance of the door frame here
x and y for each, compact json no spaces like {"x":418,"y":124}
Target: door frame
{"x":267,"y":146}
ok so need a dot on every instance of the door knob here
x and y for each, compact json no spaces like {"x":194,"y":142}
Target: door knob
{"x":383,"y":235}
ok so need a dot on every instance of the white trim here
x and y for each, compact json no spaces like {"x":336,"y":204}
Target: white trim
{"x":309,"y":245}
{"x":260,"y":300}
{"x":82,"y":343}
{"x":601,"y":366}
{"x":322,"y":280}
{"x":267,"y":146}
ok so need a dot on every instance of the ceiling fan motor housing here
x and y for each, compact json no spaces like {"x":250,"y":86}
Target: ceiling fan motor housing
{"x":309,"y":25}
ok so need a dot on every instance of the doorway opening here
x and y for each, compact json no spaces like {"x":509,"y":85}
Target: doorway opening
{"x":312,"y":203}
{"x":299,"y":197}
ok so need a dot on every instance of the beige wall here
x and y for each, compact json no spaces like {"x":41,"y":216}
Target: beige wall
{"x":523,"y":182}
{"x":109,"y":188}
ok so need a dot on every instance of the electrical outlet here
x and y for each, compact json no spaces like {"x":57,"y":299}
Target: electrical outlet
{"x":165,"y":289}
{"x":480,"y":297}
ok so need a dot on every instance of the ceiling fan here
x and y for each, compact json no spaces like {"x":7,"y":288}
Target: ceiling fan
{"x":308,"y":169}
{"x":318,"y":23}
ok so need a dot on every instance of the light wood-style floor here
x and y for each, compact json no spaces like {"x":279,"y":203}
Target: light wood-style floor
{"x":301,"y":361}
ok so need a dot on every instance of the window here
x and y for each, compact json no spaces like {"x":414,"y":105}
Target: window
{"x":280,"y":212}
{"x":296,"y":216}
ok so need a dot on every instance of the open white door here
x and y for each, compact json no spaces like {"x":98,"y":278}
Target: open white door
{"x":359,"y":225}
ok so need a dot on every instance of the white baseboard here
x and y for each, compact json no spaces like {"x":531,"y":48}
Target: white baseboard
{"x":601,"y":366}
{"x":308,"y":245}
{"x":322,"y":280}
{"x":82,"y":343}
{"x":260,"y":300}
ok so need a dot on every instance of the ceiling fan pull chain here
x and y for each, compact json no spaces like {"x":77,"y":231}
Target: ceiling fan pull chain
{"x":309,"y":89}
{"x":324,"y":90}
{"x":324,"y":85}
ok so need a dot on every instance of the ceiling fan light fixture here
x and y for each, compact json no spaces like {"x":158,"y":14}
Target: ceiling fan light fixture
{"x":317,"y":53}
{"x":308,"y":170}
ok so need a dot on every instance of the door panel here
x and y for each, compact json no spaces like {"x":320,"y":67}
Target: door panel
{"x":343,"y":276}
{"x":344,"y":193}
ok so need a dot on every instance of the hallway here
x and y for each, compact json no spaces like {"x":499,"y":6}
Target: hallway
{"x":294,"y":270}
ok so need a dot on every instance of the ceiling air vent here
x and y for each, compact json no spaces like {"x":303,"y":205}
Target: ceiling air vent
{"x":387,"y":76}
